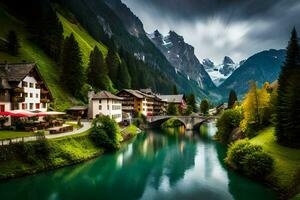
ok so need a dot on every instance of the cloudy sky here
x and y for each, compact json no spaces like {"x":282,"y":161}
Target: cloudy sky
{"x":236,"y":28}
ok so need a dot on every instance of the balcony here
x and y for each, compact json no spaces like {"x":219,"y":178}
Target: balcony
{"x":18,"y":99}
{"x":45,"y":100}
{"x":43,"y":91}
{"x":18,"y":90}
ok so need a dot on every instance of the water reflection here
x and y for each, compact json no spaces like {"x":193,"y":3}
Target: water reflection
{"x":169,"y":164}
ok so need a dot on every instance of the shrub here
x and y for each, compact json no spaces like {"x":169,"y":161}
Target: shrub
{"x":249,"y":158}
{"x":106,"y":133}
{"x":229,"y":120}
{"x":258,"y":164}
{"x":237,"y":152}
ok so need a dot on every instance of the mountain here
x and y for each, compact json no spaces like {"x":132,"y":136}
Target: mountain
{"x":219,"y":73}
{"x":182,"y":56}
{"x":261,"y":67}
{"x":111,"y":19}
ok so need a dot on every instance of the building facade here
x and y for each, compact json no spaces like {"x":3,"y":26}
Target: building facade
{"x":105,"y":103}
{"x":141,"y":101}
{"x":23,"y":88}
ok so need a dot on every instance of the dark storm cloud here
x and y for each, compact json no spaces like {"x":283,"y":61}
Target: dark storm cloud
{"x":238,"y":28}
{"x":237,"y":9}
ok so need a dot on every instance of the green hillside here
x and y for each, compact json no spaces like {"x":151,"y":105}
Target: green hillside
{"x":30,"y":52}
{"x":86,"y":42}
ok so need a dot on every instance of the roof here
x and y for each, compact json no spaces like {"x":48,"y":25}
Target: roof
{"x":172,"y":98}
{"x":135,"y":93}
{"x":15,"y":72}
{"x":105,"y":95}
{"x":4,"y":84}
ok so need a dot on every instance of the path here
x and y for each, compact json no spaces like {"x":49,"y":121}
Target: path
{"x":86,"y":126}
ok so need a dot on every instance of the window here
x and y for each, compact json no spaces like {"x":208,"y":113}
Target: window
{"x":107,"y":107}
{"x":100,"y":107}
{"x":100,"y":101}
{"x":36,"y":95}
{"x":44,"y":105}
{"x":24,"y":84}
{"x":37,"y":106}
{"x":24,"y":106}
{"x":2,"y":108}
{"x":31,"y":95}
{"x":31,"y":85}
{"x":31,"y":106}
{"x":26,"y":94}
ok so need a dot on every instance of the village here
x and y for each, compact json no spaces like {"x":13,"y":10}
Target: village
{"x":25,"y":103}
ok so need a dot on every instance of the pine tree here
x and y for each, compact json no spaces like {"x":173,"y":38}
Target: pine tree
{"x":175,"y":92}
{"x":124,"y":79}
{"x":204,"y":107}
{"x":72,"y":70}
{"x":13,"y":44}
{"x":112,"y":61}
{"x":97,"y":71}
{"x":288,"y":102}
{"x":232,"y":99}
{"x":172,"y":109}
{"x":191,"y":101}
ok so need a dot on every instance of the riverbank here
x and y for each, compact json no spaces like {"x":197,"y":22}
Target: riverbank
{"x":33,"y":157}
{"x":286,"y":175}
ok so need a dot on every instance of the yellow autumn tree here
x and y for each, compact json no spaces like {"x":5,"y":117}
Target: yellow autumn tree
{"x":254,"y":107}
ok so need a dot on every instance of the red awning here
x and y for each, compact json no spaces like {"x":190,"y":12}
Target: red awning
{"x":5,"y":113}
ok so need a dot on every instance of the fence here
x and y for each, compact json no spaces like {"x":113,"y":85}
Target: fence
{"x":4,"y":142}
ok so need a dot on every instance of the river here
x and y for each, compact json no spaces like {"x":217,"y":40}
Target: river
{"x":156,"y":165}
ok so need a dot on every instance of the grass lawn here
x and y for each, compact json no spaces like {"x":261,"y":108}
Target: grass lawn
{"x":287,"y":160}
{"x":132,"y":129}
{"x":14,"y":134}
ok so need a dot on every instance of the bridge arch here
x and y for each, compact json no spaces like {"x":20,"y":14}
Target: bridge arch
{"x":159,"y":122}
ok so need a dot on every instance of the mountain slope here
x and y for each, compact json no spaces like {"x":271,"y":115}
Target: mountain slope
{"x":261,"y":67}
{"x":182,"y":56}
{"x":116,"y":20}
{"x":219,"y":73}
{"x":30,"y":52}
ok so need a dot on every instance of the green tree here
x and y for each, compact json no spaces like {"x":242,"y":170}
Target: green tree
{"x":229,"y":120}
{"x":124,"y":79}
{"x":232,"y":99}
{"x":204,"y":106}
{"x":106,"y":133}
{"x":175,"y":92}
{"x":288,"y":102}
{"x":172,"y":109}
{"x":113,"y":62}
{"x":13,"y":44}
{"x":72,"y":70}
{"x":191,"y":101}
{"x":97,"y":71}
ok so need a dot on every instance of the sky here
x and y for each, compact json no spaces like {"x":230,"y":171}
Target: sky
{"x":218,"y":28}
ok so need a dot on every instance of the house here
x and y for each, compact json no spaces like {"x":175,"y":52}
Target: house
{"x":78,"y":111}
{"x":158,"y":104}
{"x":105,"y":103}
{"x":23,"y":88}
{"x":138,"y":101}
{"x":175,"y":99}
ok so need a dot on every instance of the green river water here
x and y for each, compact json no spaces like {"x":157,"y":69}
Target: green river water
{"x":156,"y":165}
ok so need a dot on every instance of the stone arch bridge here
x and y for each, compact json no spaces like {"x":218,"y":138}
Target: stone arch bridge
{"x":190,"y":122}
